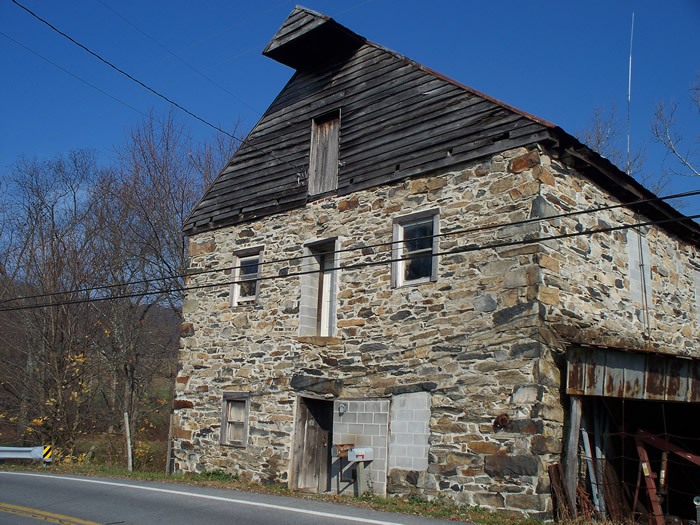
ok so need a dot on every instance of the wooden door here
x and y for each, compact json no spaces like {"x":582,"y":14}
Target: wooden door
{"x":312,"y":455}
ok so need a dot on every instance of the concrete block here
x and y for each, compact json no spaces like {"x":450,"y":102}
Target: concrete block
{"x":371,"y":406}
{"x":371,"y":430}
{"x":415,"y":451}
{"x":398,"y":426}
{"x":420,"y":439}
{"x":350,"y":417}
{"x":402,"y":439}
{"x":397,"y":451}
{"x":398,"y":403}
{"x":381,"y":417}
{"x":340,"y":428}
{"x":420,"y":463}
{"x":421,"y":415}
{"x":364,"y":417}
{"x":356,"y":428}
{"x":403,"y":415}
{"x":379,"y":441}
{"x":401,"y":462}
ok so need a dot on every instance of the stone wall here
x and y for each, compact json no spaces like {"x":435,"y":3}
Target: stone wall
{"x":592,"y":286}
{"x":483,"y":341}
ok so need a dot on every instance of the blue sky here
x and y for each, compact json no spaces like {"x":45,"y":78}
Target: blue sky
{"x":555,"y":59}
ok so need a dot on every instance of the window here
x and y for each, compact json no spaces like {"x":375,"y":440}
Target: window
{"x":323,"y":158}
{"x":234,"y":418}
{"x":246,"y":275}
{"x":415,"y":243}
{"x":317,"y":309}
{"x":639,"y":260}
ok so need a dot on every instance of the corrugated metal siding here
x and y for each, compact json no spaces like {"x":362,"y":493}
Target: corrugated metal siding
{"x":608,"y":372}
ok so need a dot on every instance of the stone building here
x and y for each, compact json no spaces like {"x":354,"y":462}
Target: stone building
{"x":395,"y":261}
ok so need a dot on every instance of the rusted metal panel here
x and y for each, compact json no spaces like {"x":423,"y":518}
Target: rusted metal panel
{"x":611,"y":372}
{"x":677,"y":383}
{"x":595,"y":381}
{"x":634,"y":378}
{"x":655,"y":384}
{"x":575,"y":368}
{"x":694,"y":384}
{"x":615,"y":364}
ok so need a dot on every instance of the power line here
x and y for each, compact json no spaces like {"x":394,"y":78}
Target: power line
{"x":79,"y":78}
{"x":356,"y":266}
{"x":476,"y":229}
{"x":182,"y":60}
{"x":145,"y":86}
{"x":93,"y":86}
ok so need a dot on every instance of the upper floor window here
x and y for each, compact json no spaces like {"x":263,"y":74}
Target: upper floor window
{"x":415,"y":243}
{"x":317,"y":309}
{"x":323,"y":159}
{"x":246,"y":275}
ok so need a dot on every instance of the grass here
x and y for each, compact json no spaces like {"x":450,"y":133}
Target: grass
{"x":441,"y":508}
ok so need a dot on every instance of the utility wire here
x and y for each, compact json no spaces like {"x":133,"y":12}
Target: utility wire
{"x":77,"y":77}
{"x":356,"y":266}
{"x":182,"y":60}
{"x":476,"y":229}
{"x":93,"y":86}
{"x":145,"y":86}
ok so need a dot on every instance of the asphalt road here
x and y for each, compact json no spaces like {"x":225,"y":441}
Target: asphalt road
{"x":29,"y":498}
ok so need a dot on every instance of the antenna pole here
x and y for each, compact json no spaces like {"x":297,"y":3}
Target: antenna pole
{"x":629,"y":96}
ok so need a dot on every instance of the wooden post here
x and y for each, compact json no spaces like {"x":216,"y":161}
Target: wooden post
{"x":361,"y":477}
{"x":169,"y":456}
{"x":591,"y":470}
{"x":600,"y":425}
{"x":127,"y":430}
{"x":571,"y":465}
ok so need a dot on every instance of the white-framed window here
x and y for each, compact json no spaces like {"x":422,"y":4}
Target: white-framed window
{"x":323,"y":156}
{"x":319,"y":284}
{"x":415,"y":243}
{"x":234,"y":418}
{"x":246,"y":275}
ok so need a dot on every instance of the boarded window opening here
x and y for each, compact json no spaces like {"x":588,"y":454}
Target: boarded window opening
{"x":323,"y":159}
{"x":317,"y":312}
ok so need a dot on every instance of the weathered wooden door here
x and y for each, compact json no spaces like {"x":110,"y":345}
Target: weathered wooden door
{"x":312,"y":455}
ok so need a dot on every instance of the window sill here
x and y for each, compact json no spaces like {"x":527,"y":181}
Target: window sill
{"x":319,"y":340}
{"x":233,"y":445}
{"x":416,"y":282}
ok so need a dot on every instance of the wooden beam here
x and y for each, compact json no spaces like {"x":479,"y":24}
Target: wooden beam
{"x":571,"y":465}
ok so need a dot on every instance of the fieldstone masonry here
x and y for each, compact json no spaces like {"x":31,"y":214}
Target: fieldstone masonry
{"x":483,"y":341}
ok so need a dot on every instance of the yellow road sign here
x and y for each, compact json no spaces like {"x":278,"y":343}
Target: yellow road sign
{"x":47,"y":453}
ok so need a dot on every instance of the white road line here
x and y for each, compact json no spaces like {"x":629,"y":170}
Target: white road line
{"x":216,"y":498}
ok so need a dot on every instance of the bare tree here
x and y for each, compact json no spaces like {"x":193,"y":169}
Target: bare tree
{"x":46,"y":365}
{"x":70,"y":234}
{"x":664,"y":129}
{"x":606,"y":135}
{"x":163,"y":175}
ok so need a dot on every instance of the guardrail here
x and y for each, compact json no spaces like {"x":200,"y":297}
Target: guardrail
{"x":34,"y":453}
